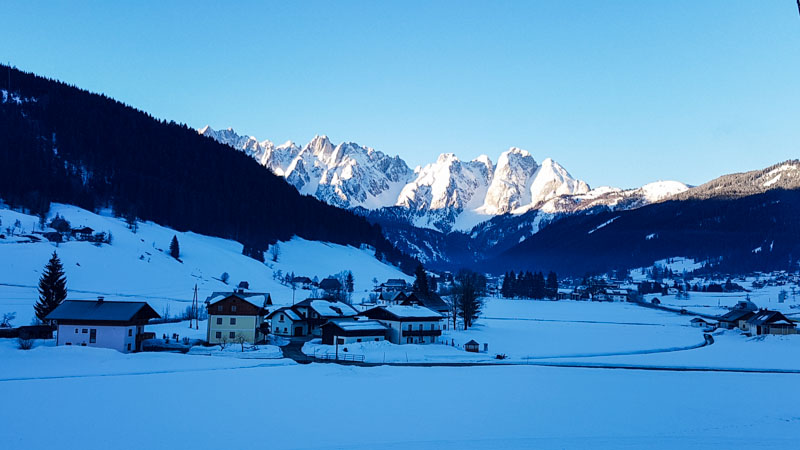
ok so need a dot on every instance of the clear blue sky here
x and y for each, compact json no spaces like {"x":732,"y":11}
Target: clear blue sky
{"x":620,"y":92}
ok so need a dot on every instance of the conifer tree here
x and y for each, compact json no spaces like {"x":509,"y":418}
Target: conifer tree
{"x":421,"y":281}
{"x":174,"y":248}
{"x":52,"y":288}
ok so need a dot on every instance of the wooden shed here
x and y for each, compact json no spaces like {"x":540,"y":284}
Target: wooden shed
{"x":472,"y":346}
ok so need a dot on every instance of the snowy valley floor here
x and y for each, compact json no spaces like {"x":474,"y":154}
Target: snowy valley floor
{"x":204,"y":403}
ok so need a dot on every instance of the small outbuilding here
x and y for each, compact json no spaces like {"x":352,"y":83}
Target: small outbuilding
{"x":472,"y":346}
{"x":348,"y":331}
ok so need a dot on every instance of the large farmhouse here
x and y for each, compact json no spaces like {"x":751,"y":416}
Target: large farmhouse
{"x":101,"y":323}
{"x":408,"y":324}
{"x":307,"y":317}
{"x":236,"y":316}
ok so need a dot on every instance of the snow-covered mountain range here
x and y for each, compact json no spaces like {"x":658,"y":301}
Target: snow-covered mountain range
{"x":448,"y":194}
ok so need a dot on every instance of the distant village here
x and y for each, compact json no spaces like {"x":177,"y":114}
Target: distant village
{"x":396,"y":311}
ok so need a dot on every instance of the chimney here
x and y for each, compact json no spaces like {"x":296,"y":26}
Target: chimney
{"x":100,"y":299}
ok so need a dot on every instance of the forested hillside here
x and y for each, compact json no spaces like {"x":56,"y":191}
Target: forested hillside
{"x":755,"y":232}
{"x":62,"y":144}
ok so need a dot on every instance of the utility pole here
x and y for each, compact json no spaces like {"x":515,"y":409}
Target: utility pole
{"x":195,"y":311}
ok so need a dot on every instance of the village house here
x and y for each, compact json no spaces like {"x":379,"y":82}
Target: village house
{"x":287,"y":322}
{"x":408,"y":324}
{"x":101,"y":323}
{"x":770,"y":322}
{"x":330,"y":285}
{"x":236,"y":316}
{"x":394,"y":285}
{"x":392,"y":297}
{"x":307,"y":317}
{"x":348,"y":331}
{"x":736,"y":318}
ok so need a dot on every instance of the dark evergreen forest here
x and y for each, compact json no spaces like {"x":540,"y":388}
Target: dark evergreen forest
{"x":62,"y":144}
{"x":754,"y":233}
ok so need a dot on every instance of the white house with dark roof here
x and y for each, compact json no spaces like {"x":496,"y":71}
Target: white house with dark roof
{"x":408,"y":324}
{"x":307,"y":317}
{"x":101,"y":323}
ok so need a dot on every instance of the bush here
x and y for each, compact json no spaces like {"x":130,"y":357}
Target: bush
{"x":24,"y":343}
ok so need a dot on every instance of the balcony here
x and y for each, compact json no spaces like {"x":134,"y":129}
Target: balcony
{"x":420,"y":333}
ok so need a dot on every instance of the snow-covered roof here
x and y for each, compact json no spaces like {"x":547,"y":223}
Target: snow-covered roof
{"x":363,"y":325}
{"x":327,"y":308}
{"x":101,"y":310}
{"x":411,"y":311}
{"x":257,"y":299}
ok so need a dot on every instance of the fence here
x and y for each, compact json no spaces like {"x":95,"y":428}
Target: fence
{"x":341,"y":357}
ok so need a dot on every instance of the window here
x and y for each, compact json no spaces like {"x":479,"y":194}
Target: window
{"x":219,"y":335}
{"x":340,"y":341}
{"x":433,"y":326}
{"x":84,"y":331}
{"x":280,"y":319}
{"x":219,"y":320}
{"x":232,"y":334}
{"x":219,"y":308}
{"x":93,"y":336}
{"x":129,"y":347}
{"x":76,"y":331}
{"x":420,"y":327}
{"x":377,"y":339}
{"x":233,"y":308}
{"x":233,"y":320}
{"x":130,"y":333}
{"x":409,"y":340}
{"x":409,"y":327}
{"x":358,"y":340}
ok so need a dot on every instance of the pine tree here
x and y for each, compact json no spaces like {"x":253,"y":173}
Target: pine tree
{"x":52,"y":288}
{"x":421,"y":281}
{"x":551,"y":285}
{"x":538,"y":286}
{"x":174,"y":248}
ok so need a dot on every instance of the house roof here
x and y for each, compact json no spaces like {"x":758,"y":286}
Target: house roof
{"x":392,"y":295}
{"x":736,"y":315}
{"x":769,"y":317}
{"x":402,"y":313}
{"x":430,"y":300}
{"x":472,"y":342}
{"x":395,"y":282}
{"x":358,"y":325}
{"x":102,"y":310}
{"x":326,"y":308}
{"x":698,"y":319}
{"x":330,"y":283}
{"x":257,"y":299}
{"x":289,"y":312}
{"x":301,"y":280}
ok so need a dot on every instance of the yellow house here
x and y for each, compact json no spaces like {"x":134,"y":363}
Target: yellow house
{"x":237,"y":318}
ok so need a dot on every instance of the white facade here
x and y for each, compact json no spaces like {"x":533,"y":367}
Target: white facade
{"x":282,"y":324}
{"x":355,"y":339}
{"x":396,"y":329}
{"x":117,"y":337}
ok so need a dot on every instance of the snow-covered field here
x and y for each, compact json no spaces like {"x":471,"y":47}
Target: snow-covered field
{"x":169,"y":401}
{"x":138,"y":267}
{"x":525,"y":330}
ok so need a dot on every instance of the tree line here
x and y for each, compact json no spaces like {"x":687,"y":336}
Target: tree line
{"x":529,"y":285}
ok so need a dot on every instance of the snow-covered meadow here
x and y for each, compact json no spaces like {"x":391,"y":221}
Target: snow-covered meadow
{"x":208,"y":403}
{"x":138,"y":266}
